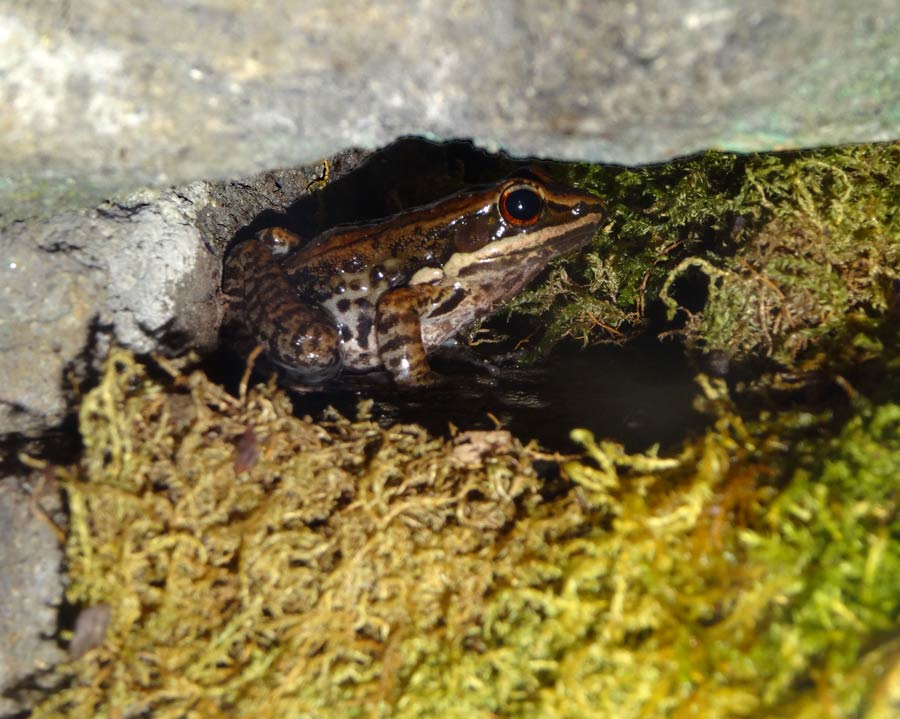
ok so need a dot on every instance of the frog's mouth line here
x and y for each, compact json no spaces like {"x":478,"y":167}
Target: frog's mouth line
{"x":549,"y":241}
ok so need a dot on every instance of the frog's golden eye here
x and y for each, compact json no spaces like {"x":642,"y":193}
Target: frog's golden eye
{"x":521,"y":205}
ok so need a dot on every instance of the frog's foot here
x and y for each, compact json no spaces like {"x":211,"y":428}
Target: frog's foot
{"x":423,"y":380}
{"x":278,"y":240}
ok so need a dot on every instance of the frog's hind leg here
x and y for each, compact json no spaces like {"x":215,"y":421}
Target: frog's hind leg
{"x":297,"y":335}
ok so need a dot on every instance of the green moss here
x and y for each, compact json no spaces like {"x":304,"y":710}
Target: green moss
{"x":257,"y":564}
{"x":821,"y":267}
{"x":798,"y":254}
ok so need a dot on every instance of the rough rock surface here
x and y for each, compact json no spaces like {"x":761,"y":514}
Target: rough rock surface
{"x":142,"y":271}
{"x":31,"y":587}
{"x":132,"y":270}
{"x":102,"y":98}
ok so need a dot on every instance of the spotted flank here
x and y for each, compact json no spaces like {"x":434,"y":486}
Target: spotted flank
{"x":354,"y":314}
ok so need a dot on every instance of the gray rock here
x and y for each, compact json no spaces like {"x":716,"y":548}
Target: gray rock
{"x":101,"y":98}
{"x":134,"y":271}
{"x":142,"y":272}
{"x":31,"y":587}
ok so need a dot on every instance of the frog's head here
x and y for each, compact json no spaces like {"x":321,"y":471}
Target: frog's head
{"x":505,"y":237}
{"x":525,"y":219}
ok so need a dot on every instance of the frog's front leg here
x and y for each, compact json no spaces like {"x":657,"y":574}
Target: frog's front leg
{"x":398,"y":325}
{"x":297,"y":335}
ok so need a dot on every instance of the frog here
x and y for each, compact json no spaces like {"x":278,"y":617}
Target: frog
{"x":384,"y":295}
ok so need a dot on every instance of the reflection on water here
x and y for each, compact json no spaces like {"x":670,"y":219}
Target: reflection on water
{"x":638,"y":395}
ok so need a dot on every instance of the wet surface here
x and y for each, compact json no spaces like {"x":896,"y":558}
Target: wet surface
{"x":638,"y":395}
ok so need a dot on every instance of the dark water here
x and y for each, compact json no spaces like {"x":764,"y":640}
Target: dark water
{"x":638,"y":395}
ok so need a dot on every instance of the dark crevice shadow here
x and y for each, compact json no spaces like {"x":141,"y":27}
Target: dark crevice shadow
{"x":641,"y":394}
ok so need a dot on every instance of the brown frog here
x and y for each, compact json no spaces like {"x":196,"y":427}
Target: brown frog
{"x":387,"y":293}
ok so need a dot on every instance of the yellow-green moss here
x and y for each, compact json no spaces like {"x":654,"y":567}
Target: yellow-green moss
{"x":257,"y":564}
{"x":714,"y":592}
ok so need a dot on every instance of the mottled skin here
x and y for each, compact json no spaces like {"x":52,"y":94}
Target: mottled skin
{"x":389,"y":292}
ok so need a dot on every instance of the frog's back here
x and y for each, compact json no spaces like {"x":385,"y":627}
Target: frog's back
{"x":366,"y":260}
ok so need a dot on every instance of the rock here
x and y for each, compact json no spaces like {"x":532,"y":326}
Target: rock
{"x":142,"y":271}
{"x":31,"y":587}
{"x":134,"y":271}
{"x":102,"y":99}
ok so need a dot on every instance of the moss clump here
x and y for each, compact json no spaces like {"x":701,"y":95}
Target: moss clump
{"x":720,"y":585}
{"x":820,"y":270}
{"x":790,"y":259}
{"x":257,"y":564}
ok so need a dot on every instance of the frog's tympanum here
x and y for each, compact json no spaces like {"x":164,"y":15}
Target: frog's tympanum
{"x":387,"y":293}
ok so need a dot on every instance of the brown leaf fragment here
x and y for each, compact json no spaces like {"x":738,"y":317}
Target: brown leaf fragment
{"x":90,"y":630}
{"x":247,"y":451}
{"x":473,"y":446}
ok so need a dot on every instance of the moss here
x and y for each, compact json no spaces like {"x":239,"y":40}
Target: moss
{"x":790,"y":259}
{"x":716,"y":592}
{"x":258,"y":564}
{"x":821,"y":268}
{"x":833,"y":536}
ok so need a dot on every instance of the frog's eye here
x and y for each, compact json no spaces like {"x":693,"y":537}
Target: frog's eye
{"x":521,"y":205}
